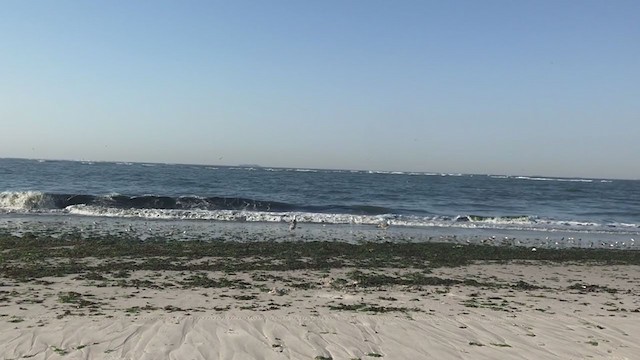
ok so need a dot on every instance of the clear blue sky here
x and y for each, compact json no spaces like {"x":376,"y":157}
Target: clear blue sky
{"x":509,"y":87}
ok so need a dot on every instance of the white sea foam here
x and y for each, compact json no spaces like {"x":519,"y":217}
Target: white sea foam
{"x":514,"y":223}
{"x":23,"y":200}
{"x":551,"y":179}
{"x":222,"y":215}
{"x":506,"y":221}
{"x":539,"y":178}
{"x":624,"y":225}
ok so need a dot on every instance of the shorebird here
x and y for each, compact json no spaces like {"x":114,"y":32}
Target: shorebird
{"x":384,"y":225}
{"x":293,"y":224}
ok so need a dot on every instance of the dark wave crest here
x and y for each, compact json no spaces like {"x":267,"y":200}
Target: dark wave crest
{"x":41,"y":201}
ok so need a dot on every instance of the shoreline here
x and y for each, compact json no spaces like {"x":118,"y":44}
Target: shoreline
{"x":88,"y":227}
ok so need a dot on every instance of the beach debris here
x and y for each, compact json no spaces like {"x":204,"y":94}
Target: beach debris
{"x":278,"y":291}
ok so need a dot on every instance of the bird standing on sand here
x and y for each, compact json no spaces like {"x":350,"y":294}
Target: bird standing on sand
{"x":293,"y":224}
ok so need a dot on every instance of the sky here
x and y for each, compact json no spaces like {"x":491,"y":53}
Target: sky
{"x":486,"y":87}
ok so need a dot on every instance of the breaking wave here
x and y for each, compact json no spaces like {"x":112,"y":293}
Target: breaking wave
{"x":250,"y":210}
{"x":30,"y":201}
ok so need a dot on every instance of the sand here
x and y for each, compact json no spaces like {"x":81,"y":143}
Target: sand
{"x":523,"y":310}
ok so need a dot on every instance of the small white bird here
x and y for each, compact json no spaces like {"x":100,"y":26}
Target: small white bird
{"x":293,"y":224}
{"x":384,"y":225}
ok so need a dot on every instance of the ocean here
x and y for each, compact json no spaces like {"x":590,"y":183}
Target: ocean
{"x":187,"y":202}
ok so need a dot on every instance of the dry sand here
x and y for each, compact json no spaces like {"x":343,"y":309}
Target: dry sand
{"x":526,"y":310}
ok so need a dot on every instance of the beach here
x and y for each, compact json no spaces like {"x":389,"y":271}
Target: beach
{"x":120,"y":299}
{"x":320,"y":180}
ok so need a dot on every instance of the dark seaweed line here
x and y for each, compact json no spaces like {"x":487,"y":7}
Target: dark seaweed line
{"x":27,"y":256}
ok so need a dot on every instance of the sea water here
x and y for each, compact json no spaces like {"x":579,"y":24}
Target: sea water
{"x":257,"y":203}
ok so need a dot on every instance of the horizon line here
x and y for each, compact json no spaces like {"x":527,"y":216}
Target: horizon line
{"x":434,"y":173}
